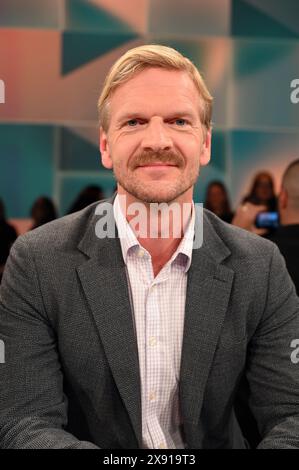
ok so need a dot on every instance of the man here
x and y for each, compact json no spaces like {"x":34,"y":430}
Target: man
{"x":141,"y":341}
{"x":287,"y":235}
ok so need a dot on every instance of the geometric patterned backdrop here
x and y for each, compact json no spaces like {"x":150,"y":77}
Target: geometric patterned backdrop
{"x":54,"y":55}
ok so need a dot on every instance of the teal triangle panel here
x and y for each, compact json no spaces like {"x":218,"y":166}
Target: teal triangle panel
{"x":218,"y":156}
{"x":252,"y":57}
{"x":250,"y":22}
{"x":78,"y":154}
{"x":83,"y":16}
{"x":26,"y":166}
{"x":81,"y":48}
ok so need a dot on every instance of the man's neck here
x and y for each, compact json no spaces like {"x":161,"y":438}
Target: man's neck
{"x":289,"y":218}
{"x":160,"y":238}
{"x":160,"y":250}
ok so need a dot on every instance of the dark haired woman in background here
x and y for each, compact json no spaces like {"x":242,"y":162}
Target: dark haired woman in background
{"x":86,"y":197}
{"x":42,"y":212}
{"x":262,"y":191}
{"x":217,"y":201}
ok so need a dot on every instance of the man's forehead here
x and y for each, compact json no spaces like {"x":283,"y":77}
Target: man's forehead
{"x":157,"y":77}
{"x":157,"y":87}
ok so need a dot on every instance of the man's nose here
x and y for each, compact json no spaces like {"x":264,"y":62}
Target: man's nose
{"x":156,"y":136}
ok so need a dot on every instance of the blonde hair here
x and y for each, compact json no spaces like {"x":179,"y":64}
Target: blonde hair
{"x":137,"y":59}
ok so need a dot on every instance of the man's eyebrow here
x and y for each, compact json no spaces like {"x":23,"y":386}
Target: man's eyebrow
{"x":170,"y":115}
{"x":184,"y":113}
{"x":128,"y":115}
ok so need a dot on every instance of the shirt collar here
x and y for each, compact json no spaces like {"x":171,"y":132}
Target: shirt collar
{"x":128,"y":238}
{"x":126,"y":235}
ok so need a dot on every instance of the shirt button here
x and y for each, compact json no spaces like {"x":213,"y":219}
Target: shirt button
{"x":162,"y":445}
{"x":152,"y":396}
{"x":141,"y":253}
{"x":152,"y":341}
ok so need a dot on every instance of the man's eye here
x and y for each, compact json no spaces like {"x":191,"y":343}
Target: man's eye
{"x":132,"y":122}
{"x":180,"y":122}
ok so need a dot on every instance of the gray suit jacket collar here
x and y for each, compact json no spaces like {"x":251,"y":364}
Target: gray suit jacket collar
{"x":104,"y":281}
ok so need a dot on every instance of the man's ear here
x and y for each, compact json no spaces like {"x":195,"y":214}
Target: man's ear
{"x":283,"y":199}
{"x":104,"y":149}
{"x":206,"y":147}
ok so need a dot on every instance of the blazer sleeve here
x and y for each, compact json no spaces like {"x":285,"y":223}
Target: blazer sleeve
{"x":272,"y":373}
{"x":33,"y":407}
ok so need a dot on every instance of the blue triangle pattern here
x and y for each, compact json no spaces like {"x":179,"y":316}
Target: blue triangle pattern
{"x":81,"y":48}
{"x":249,"y":21}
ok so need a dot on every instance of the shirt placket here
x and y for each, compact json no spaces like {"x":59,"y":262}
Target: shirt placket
{"x":154,"y":364}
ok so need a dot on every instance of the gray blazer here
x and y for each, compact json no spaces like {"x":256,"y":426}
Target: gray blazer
{"x":71,"y":374}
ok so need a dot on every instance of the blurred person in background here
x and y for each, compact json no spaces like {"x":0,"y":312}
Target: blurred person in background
{"x":8,"y":235}
{"x":286,"y":236}
{"x":262,"y":192}
{"x":217,"y":201}
{"x":86,"y":197}
{"x":42,"y":212}
{"x":245,"y":217}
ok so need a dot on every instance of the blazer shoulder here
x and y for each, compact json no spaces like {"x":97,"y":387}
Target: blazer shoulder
{"x":63,"y":233}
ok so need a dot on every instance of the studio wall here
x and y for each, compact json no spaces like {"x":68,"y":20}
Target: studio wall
{"x":54,"y":55}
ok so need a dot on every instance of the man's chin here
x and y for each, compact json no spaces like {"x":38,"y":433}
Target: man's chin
{"x":158,"y":197}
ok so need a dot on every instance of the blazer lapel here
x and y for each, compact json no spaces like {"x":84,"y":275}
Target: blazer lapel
{"x":104,"y":281}
{"x":208,"y":292}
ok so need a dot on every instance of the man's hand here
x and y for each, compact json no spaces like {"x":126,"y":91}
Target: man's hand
{"x":245,"y":217}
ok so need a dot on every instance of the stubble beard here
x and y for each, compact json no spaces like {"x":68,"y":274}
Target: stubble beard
{"x":156,"y":191}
